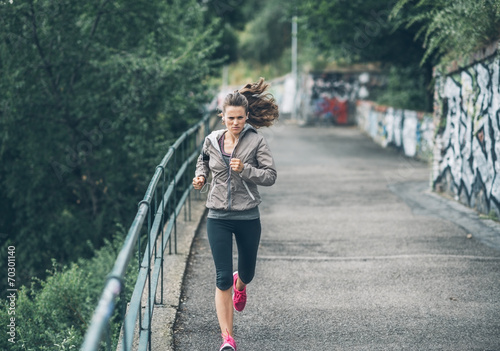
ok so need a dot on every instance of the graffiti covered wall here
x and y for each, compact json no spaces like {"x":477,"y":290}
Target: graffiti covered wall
{"x":410,"y":131}
{"x":333,"y":95}
{"x":467,"y":112}
{"x":330,"y":96}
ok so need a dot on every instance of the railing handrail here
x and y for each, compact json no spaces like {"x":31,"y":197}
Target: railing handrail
{"x":114,"y":285}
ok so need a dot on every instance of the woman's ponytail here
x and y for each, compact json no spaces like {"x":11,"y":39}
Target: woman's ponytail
{"x":260,"y":105}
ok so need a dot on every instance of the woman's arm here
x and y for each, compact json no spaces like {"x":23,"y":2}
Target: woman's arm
{"x":265,"y":173}
{"x":202,"y":168}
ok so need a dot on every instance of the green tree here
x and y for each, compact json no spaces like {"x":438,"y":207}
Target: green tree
{"x":230,"y":18}
{"x":357,"y":31}
{"x":268,"y":35}
{"x":363,"y":31}
{"x":450,"y":29}
{"x":93,"y":93}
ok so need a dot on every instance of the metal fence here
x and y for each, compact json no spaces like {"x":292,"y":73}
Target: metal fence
{"x":167,"y":193}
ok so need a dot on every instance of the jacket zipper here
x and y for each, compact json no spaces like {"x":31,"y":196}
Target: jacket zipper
{"x":244,"y":183}
{"x":229,"y":197}
{"x":248,"y":190}
{"x":229,"y":178}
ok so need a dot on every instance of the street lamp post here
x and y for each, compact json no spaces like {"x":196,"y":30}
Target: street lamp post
{"x":294,"y":67}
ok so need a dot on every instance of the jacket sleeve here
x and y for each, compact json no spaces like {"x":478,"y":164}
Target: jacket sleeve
{"x":202,"y":168}
{"x":265,"y":173}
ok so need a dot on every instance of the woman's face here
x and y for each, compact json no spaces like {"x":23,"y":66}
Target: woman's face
{"x":234,"y":118}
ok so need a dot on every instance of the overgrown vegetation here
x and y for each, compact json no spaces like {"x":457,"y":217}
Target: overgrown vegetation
{"x":53,"y":314}
{"x":350,"y":32}
{"x":406,"y":88}
{"x":93,"y":93}
{"x":450,"y":29}
{"x":261,"y":37}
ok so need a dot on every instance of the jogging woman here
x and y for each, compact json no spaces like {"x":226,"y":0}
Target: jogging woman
{"x":238,"y":160}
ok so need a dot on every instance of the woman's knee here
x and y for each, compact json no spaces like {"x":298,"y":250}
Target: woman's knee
{"x":224,"y":280}
{"x":246,"y":276}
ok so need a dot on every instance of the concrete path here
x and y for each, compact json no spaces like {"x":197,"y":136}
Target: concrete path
{"x":356,"y":254}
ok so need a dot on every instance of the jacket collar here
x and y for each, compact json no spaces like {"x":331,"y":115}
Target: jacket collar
{"x":215,"y":135}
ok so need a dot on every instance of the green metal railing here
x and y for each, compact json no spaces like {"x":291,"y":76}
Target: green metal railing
{"x":168,"y":191}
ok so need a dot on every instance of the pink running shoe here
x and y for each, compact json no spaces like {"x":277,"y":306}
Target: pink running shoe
{"x":228,"y":344}
{"x":239,"y":297}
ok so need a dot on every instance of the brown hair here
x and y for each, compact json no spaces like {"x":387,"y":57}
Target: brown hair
{"x":260,"y":105}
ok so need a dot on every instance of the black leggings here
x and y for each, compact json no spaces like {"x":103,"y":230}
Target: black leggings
{"x":220,"y":235}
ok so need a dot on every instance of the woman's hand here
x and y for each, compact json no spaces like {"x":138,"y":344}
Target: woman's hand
{"x":198,"y":182}
{"x":236,"y":165}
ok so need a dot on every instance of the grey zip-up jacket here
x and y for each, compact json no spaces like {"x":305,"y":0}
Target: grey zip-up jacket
{"x":230,"y":190}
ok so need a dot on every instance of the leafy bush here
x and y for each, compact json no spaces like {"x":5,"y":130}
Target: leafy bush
{"x":54,"y":314}
{"x":406,"y":88}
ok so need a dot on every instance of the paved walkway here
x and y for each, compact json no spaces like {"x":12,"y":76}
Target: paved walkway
{"x":356,"y":254}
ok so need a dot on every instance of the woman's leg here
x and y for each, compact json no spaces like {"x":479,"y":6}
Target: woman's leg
{"x":220,"y":237}
{"x":247,"y":235}
{"x":225,"y":311}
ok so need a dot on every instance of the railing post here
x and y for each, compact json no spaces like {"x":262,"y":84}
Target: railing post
{"x":171,"y":180}
{"x":162,"y":230}
{"x":139,"y":268}
{"x":141,"y":326}
{"x":123,"y":304}
{"x":149,"y":279}
{"x":183,"y":178}
{"x":175,"y":212}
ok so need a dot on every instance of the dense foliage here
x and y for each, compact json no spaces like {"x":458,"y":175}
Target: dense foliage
{"x":406,"y":88}
{"x":267,"y":36}
{"x":93,"y":93}
{"x":406,"y":37}
{"x":357,"y":31}
{"x":55,"y":314}
{"x":361,"y":31}
{"x":451,"y":28}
